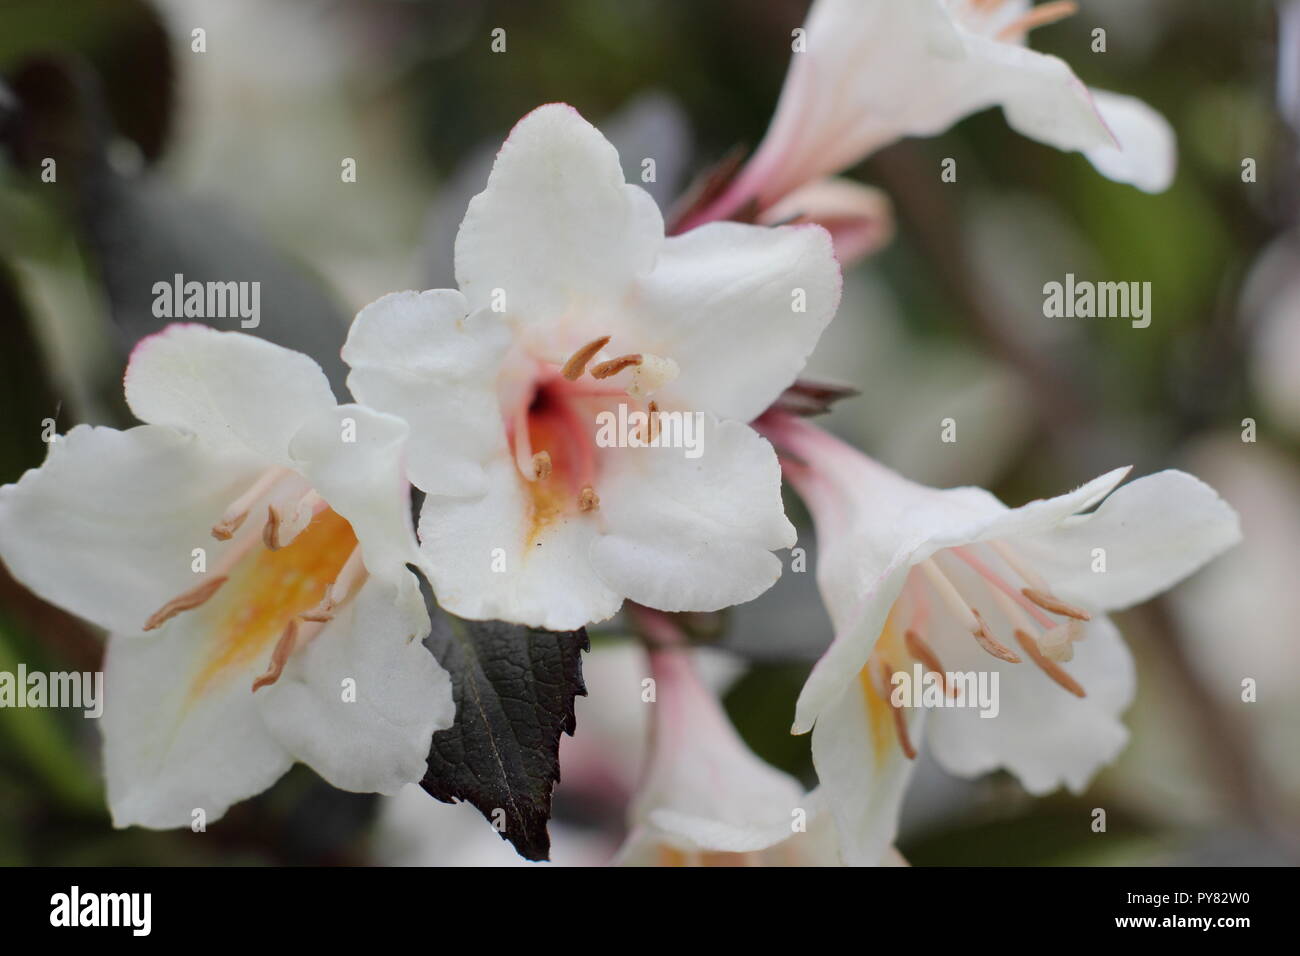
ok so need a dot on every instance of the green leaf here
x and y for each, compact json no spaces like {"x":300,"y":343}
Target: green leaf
{"x":514,"y":688}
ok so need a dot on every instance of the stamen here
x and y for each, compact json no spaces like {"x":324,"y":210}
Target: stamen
{"x":926,"y":655}
{"x":1050,"y":667}
{"x":542,"y":465}
{"x":279,"y":530}
{"x":338,"y":591}
{"x":1050,"y":602}
{"x":987,"y":641}
{"x":279,"y":656}
{"x":900,"y":718}
{"x":577,"y":363}
{"x":949,"y":594}
{"x":1039,"y":16}
{"x":191,"y":599}
{"x":225,"y":529}
{"x":588,"y":500}
{"x":653,"y":416}
{"x":1000,"y":587}
{"x":614,"y":366}
{"x":238,"y":509}
{"x":1008,"y":555}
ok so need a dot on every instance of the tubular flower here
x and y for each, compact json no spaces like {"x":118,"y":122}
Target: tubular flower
{"x":956,"y":585}
{"x":246,"y":550}
{"x":875,"y":71}
{"x":578,"y":408}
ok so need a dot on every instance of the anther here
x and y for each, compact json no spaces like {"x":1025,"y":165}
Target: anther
{"x":614,"y":366}
{"x":577,"y":363}
{"x":184,"y":602}
{"x":991,"y":644}
{"x":1039,"y":16}
{"x":1050,"y":602}
{"x":279,"y":656}
{"x":588,"y":500}
{"x":224,"y":529}
{"x":1049,"y":666}
{"x":339,"y":590}
{"x":239,"y":508}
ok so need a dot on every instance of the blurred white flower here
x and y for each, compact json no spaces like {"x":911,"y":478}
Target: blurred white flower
{"x":1271,"y":306}
{"x":875,"y":71}
{"x":1239,"y":616}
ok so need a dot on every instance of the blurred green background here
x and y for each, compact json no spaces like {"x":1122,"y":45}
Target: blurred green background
{"x":226,"y":164}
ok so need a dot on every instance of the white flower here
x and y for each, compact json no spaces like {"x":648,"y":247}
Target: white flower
{"x":956,"y":582}
{"x":859,"y":218}
{"x":875,"y":71}
{"x":246,"y":549}
{"x":573,"y":304}
{"x":705,"y":798}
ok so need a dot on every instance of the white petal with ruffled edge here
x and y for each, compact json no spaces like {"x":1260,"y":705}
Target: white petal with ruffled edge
{"x":557,"y":228}
{"x":378,"y":739}
{"x":739,"y":308}
{"x":421,"y":356}
{"x":692,"y":534}
{"x":1154,"y":532}
{"x":1044,"y":735}
{"x":228,"y":388}
{"x":106,"y":528}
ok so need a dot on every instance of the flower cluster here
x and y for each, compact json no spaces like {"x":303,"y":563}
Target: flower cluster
{"x":250,"y":548}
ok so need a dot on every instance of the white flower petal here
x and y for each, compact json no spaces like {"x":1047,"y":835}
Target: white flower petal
{"x":1043,"y":734}
{"x":863,"y":771}
{"x":692,"y":534}
{"x":420,"y":356}
{"x":487,"y":561}
{"x":170,"y":750}
{"x":107,"y":526}
{"x":877,"y":70}
{"x":557,"y":228}
{"x":1145,"y":152}
{"x":704,"y":790}
{"x":380,"y":740}
{"x":1155,"y":531}
{"x":859,"y":218}
{"x":354,"y":458}
{"x":739,"y":309}
{"x":228,"y":388}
